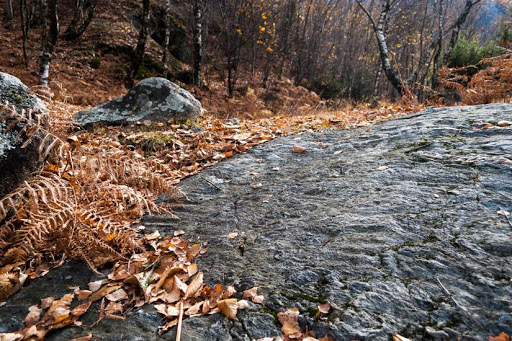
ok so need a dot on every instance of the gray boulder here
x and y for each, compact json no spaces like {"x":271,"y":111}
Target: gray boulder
{"x":16,"y":163}
{"x":153,"y":99}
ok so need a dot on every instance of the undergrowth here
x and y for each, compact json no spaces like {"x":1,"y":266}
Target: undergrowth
{"x":82,"y":203}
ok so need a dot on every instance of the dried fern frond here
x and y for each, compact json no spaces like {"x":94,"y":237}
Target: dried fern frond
{"x":30,"y":127}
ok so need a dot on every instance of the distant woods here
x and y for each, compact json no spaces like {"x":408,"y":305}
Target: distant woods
{"x":359,"y":50}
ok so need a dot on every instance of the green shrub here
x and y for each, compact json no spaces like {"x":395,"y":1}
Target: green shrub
{"x":470,"y":52}
{"x":95,"y":62}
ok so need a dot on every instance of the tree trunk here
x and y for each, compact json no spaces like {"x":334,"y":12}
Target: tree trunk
{"x":24,"y":28}
{"x":198,"y":42}
{"x":49,"y":34}
{"x":84,"y":12}
{"x":439,"y":47}
{"x":166,"y":37}
{"x":141,"y":43}
{"x":379,"y":29}
{"x":457,"y":27}
{"x":10,"y":12}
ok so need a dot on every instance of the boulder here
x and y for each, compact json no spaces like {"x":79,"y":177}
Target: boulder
{"x":153,"y":99}
{"x":17,"y":163}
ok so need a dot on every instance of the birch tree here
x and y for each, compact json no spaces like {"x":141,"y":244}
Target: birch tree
{"x":49,"y":35}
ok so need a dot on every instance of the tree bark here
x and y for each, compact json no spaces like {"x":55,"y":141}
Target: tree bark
{"x":166,"y":37}
{"x":24,"y":28}
{"x":141,"y":43}
{"x":84,"y":12}
{"x":49,"y":34}
{"x":9,"y":10}
{"x":438,"y":48}
{"x":198,"y":42}
{"x":379,"y":28}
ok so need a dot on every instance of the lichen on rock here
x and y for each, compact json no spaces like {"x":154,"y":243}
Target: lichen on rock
{"x":153,"y":99}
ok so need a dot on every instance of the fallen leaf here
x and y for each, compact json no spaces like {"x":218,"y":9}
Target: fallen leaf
{"x":502,"y":337}
{"x":381,"y":168}
{"x":179,"y":233}
{"x":243,"y":304}
{"x":397,"y":337}
{"x":94,"y":286}
{"x":46,"y":302}
{"x":84,"y":338}
{"x":195,"y":285}
{"x":258,"y":299}
{"x":229,"y":307}
{"x":81,"y":309}
{"x":233,"y":235}
{"x":33,"y":316}
{"x":194,"y":309}
{"x":338,"y":152}
{"x":83,"y":294}
{"x":299,"y":149}
{"x":256,"y":186}
{"x":324,"y":308}
{"x":104,"y":291}
{"x":229,"y":154}
{"x":504,"y":123}
{"x":117,"y":295}
{"x":229,"y":291}
{"x":250,"y":293}
{"x":192,"y":269}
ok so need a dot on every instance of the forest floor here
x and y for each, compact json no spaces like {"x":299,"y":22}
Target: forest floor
{"x":399,"y":229}
{"x":267,"y":183}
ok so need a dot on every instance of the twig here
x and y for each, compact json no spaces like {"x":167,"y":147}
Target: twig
{"x":211,"y":184}
{"x":457,"y":303}
{"x":180,"y":320}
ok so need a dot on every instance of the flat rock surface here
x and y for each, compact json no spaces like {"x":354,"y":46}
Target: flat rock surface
{"x":375,"y":221}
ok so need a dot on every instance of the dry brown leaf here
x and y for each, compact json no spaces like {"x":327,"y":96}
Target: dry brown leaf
{"x":167,"y":326}
{"x":47,"y":302}
{"x":250,"y":293}
{"x":243,"y":304}
{"x":192,"y":269}
{"x":299,"y":149}
{"x":104,"y":291}
{"x":256,"y":186}
{"x":229,"y":307}
{"x":95,"y":286}
{"x":33,"y":316}
{"x":178,"y":233}
{"x":83,"y":294}
{"x":258,"y":299}
{"x":397,"y":337}
{"x":324,"y":308}
{"x":232,"y":235}
{"x":84,"y":338}
{"x":229,"y":291}
{"x":504,"y":123}
{"x":502,"y":337}
{"x":117,"y":295}
{"x":326,"y":338}
{"x":193,"y":310}
{"x":195,"y":285}
{"x":81,"y":309}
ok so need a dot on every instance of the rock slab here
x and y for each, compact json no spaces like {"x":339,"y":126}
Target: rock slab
{"x":153,"y":99}
{"x":17,"y":163}
{"x":372,"y":220}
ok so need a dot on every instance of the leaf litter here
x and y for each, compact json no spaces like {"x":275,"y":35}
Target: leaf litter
{"x":165,"y":276}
